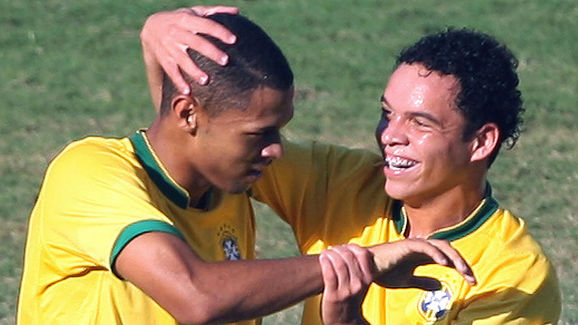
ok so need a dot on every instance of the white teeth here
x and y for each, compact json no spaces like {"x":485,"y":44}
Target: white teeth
{"x":398,"y":162}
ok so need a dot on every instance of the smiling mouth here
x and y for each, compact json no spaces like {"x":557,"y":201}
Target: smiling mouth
{"x":398,"y":163}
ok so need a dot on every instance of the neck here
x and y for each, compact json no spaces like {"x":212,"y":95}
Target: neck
{"x":444,"y":210}
{"x":169,"y":147}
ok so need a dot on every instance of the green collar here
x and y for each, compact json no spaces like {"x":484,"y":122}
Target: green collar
{"x":157,"y":172}
{"x":474,"y":221}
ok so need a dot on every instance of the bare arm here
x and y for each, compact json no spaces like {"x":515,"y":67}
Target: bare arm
{"x":194,"y":291}
{"x":197,"y":292}
{"x":167,"y":35}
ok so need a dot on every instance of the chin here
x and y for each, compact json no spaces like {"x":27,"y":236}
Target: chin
{"x":237,"y":188}
{"x":395,"y":192}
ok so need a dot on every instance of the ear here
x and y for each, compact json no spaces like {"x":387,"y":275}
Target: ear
{"x":186,"y":109}
{"x":485,"y":141}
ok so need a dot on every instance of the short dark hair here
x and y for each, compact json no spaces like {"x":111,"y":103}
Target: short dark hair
{"x":486,"y":71}
{"x":254,"y":61}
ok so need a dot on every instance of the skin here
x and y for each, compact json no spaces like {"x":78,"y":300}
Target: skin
{"x":167,"y":37}
{"x":446,"y":177}
{"x":345,"y":285}
{"x":229,"y":150}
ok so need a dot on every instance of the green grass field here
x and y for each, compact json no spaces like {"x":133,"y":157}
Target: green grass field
{"x":73,"y":68}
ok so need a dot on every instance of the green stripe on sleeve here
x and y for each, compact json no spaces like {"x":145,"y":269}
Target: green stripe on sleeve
{"x":136,"y":229}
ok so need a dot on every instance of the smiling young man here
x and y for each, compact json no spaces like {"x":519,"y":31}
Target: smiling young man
{"x":158,"y":228}
{"x":449,"y":106}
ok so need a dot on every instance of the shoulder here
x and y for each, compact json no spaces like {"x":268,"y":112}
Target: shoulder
{"x":511,"y":257}
{"x":317,"y":156}
{"x":516,"y":280}
{"x":325,"y":150}
{"x":92,"y":161}
{"x":93,"y":152}
{"x":510,"y":233}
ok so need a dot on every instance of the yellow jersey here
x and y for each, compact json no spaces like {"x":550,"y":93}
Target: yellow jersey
{"x":332,"y":195}
{"x":97,"y":195}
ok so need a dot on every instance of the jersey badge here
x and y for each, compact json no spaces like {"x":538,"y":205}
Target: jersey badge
{"x":229,"y":243}
{"x":435,"y":305}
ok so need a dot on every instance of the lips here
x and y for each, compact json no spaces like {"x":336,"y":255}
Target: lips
{"x":255,"y":172}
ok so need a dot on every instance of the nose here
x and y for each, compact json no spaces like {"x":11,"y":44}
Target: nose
{"x":393,"y":133}
{"x":273,"y":151}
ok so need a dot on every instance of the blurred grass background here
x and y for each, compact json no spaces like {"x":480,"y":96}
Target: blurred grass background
{"x":73,"y":68}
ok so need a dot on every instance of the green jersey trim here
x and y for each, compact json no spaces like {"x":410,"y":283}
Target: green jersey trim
{"x":156,"y":171}
{"x":475,"y":220}
{"x":136,"y":229}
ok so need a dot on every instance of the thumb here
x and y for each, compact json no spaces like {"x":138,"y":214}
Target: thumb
{"x":210,"y":10}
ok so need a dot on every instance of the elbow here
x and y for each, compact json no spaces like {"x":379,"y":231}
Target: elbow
{"x":195,"y":317}
{"x":205,"y":312}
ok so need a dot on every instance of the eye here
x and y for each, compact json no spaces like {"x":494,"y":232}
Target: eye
{"x":385,"y":114}
{"x":421,"y":122}
{"x":265,"y":133}
{"x":255,"y":134}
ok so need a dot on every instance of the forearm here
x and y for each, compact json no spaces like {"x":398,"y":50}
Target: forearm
{"x":154,"y":73}
{"x":197,"y":292}
{"x":250,"y":289}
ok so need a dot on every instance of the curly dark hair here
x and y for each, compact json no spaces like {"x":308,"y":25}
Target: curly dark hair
{"x":486,"y":71}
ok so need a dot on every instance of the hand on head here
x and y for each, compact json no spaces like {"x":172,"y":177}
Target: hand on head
{"x":167,"y":35}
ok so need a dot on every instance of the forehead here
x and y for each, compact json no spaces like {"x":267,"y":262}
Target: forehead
{"x":413,"y":85}
{"x":266,"y":107}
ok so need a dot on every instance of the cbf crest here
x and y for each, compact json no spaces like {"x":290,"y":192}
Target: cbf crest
{"x":229,"y":243}
{"x":435,"y":305}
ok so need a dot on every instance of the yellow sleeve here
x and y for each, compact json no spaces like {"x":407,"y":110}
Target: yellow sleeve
{"x":91,"y":192}
{"x":324,"y":192}
{"x":524,"y":291}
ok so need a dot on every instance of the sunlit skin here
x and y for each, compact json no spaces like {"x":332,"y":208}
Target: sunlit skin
{"x":228,"y":151}
{"x":439,"y":175}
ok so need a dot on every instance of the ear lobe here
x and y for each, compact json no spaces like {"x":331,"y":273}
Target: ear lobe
{"x":485,"y":142}
{"x":192,"y":122}
{"x":186,"y":109}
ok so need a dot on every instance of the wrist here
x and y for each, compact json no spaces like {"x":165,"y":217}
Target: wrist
{"x":381,"y":264}
{"x":358,"y":321}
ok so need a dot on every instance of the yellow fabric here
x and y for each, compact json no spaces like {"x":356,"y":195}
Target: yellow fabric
{"x":332,"y":195}
{"x":93,"y":190}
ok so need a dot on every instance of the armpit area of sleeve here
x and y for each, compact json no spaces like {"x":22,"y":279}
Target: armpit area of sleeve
{"x":134,"y":230}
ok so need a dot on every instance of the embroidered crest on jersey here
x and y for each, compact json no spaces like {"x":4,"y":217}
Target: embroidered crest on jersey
{"x":229,"y":242}
{"x":435,"y":305}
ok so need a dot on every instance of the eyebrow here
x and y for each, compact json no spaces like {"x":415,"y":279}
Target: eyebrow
{"x":428,"y":116}
{"x":383,"y":101}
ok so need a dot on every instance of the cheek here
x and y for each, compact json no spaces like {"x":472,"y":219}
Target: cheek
{"x":431,"y":148}
{"x":381,"y":125}
{"x":444,"y":155}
